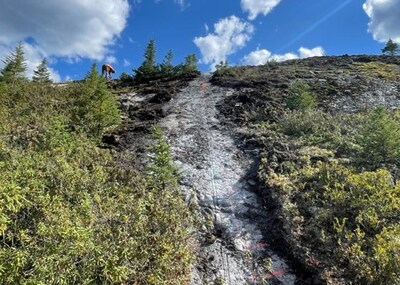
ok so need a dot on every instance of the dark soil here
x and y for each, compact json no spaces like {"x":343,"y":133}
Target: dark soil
{"x":342,"y":84}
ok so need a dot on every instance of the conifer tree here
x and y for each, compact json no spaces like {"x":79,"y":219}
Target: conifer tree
{"x":166,"y":66}
{"x":391,"y":47}
{"x":95,"y":106}
{"x":190,"y":64}
{"x":14,"y":65}
{"x":148,"y":70}
{"x":42,"y":74}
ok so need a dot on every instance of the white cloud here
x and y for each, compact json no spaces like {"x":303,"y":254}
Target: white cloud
{"x":111,"y":59}
{"x":182,"y":3}
{"x":257,"y":7}
{"x":35,"y":55}
{"x":305,"y":52}
{"x":261,"y":56}
{"x":257,"y":57}
{"x":230,"y":35}
{"x":126,"y":62}
{"x":384,"y":19}
{"x":70,"y":29}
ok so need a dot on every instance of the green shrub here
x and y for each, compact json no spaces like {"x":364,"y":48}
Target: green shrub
{"x":360,"y":213}
{"x":71,"y":213}
{"x":300,"y":97}
{"x":379,"y":138}
{"x":94,"y":107}
{"x":305,"y":122}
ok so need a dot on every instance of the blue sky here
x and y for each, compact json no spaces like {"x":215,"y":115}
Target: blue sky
{"x":73,"y":34}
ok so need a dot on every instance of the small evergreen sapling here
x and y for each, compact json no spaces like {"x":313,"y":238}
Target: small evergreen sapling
{"x":42,"y":74}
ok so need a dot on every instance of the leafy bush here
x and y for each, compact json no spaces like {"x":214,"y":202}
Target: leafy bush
{"x":359,"y":213}
{"x":71,"y":213}
{"x":300,"y":97}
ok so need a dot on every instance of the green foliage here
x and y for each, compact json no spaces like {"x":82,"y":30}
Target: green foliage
{"x":71,"y":216}
{"x":300,"y":97}
{"x":380,"y":138}
{"x":305,"y":122}
{"x":166,"y":67}
{"x":360,"y":213}
{"x":379,"y":69}
{"x":148,"y":70}
{"x":71,"y":213}
{"x":314,"y":127}
{"x":95,"y":108}
{"x":42,"y":74}
{"x":162,"y":170}
{"x":222,"y":65}
{"x":331,"y":207}
{"x":391,"y":47}
{"x":14,"y":66}
{"x":190,"y":63}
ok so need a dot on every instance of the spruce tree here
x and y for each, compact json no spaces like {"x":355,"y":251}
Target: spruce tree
{"x":42,"y":74}
{"x":380,"y":138}
{"x":391,"y":47}
{"x":95,"y":106}
{"x":14,"y":65}
{"x":190,"y":64}
{"x":166,"y":66}
{"x":148,"y":70}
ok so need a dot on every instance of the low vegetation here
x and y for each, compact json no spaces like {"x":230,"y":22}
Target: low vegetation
{"x":331,"y":175}
{"x":70,"y":211}
{"x":337,"y":191}
{"x":378,"y":69}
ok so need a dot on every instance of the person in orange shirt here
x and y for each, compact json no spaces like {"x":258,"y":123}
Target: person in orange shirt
{"x":107,"y":70}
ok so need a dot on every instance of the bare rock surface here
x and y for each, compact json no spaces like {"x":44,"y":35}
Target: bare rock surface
{"x":217,"y":178}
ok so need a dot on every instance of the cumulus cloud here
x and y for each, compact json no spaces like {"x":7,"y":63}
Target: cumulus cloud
{"x":111,"y":59}
{"x":305,"y":52}
{"x":261,"y":56}
{"x":257,"y":7}
{"x":384,"y":19}
{"x":70,"y":29}
{"x":230,"y":35}
{"x":35,"y":55}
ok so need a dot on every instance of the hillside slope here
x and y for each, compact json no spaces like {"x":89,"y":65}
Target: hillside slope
{"x":329,"y":164}
{"x":285,"y":195}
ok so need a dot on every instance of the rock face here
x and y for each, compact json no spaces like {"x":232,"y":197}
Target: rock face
{"x":342,"y":84}
{"x":237,"y":234}
{"x":218,"y":179}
